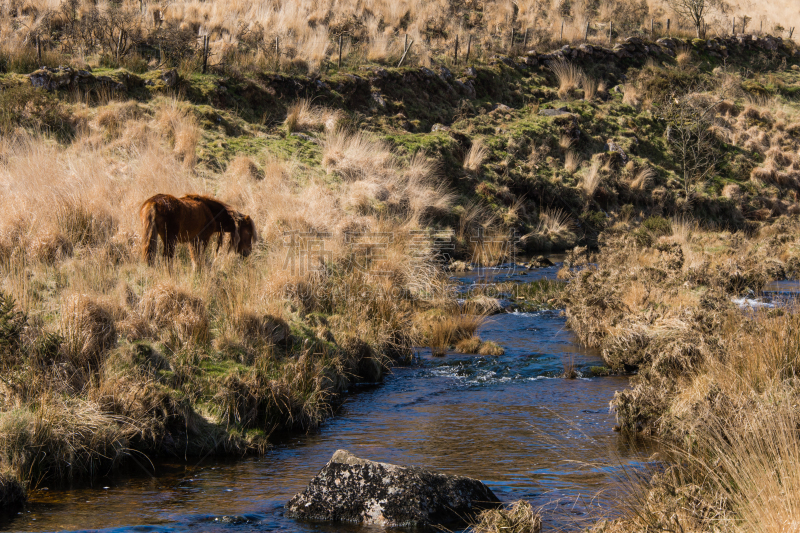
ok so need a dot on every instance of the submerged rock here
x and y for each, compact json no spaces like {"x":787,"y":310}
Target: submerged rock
{"x":349,"y":489}
{"x":540,"y":262}
{"x":459,"y":266}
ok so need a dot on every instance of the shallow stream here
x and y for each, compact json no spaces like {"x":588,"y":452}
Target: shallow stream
{"x":510,"y":421}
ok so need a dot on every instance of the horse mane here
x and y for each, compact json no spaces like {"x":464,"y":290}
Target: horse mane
{"x":228,"y":219}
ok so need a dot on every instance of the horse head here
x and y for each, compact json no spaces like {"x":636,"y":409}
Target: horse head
{"x":245,"y":235}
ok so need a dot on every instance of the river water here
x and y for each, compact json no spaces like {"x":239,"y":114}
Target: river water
{"x":510,"y":421}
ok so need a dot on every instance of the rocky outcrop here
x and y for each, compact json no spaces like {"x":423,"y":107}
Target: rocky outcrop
{"x":68,"y":78}
{"x":349,"y":489}
{"x":53,"y":79}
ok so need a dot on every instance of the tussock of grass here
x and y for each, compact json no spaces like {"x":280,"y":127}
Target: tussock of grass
{"x":451,"y":329}
{"x":555,"y":229}
{"x":303,"y":116}
{"x":470,"y":345}
{"x":177,"y":314}
{"x":572,"y":161}
{"x":475,"y":156}
{"x":519,"y":517}
{"x":569,"y":77}
{"x":88,"y":331}
{"x":592,"y":178}
{"x":491,"y":348}
{"x":244,"y":167}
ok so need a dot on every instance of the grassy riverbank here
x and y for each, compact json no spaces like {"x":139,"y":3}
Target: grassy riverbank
{"x":716,"y":382}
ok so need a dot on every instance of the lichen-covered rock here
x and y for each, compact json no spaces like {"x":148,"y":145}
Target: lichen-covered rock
{"x":349,"y":489}
{"x":170,"y":78}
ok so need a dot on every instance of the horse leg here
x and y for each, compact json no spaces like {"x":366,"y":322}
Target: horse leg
{"x":196,"y":250}
{"x":170,"y":242}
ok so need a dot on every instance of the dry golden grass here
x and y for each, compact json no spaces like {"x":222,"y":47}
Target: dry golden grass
{"x":642,"y":181}
{"x":475,"y":156}
{"x":452,"y":329}
{"x":569,"y":77}
{"x":303,"y":116}
{"x":630,"y":96}
{"x":242,"y":34}
{"x":590,"y":87}
{"x":244,"y":167}
{"x":519,"y":517}
{"x":88,"y":331}
{"x":683,"y":56}
{"x":470,"y":345}
{"x":591,"y":179}
{"x":572,"y":161}
{"x":706,"y":369}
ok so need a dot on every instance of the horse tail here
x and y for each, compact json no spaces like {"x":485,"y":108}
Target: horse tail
{"x":148,"y":214}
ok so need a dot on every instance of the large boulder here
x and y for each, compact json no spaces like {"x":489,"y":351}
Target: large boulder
{"x":349,"y":489}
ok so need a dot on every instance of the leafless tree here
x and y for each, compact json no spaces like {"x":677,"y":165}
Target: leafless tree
{"x":694,"y":10}
{"x":690,"y":137}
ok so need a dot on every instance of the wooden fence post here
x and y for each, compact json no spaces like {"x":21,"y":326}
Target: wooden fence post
{"x":469,"y":46}
{"x":525,"y":42}
{"x":653,"y":28}
{"x":205,"y":53}
{"x":586,"y":33}
{"x":455,"y":53}
{"x":668,"y":23}
{"x":561,"y":39}
{"x":39,"y":51}
{"x":408,"y":47}
{"x":339,"y":64}
{"x":278,"y":53}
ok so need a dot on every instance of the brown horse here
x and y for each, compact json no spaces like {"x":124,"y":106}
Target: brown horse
{"x":193,"y":219}
{"x":241,"y":228}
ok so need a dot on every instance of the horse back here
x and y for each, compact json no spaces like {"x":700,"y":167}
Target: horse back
{"x":185,"y":218}
{"x":219,"y":210}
